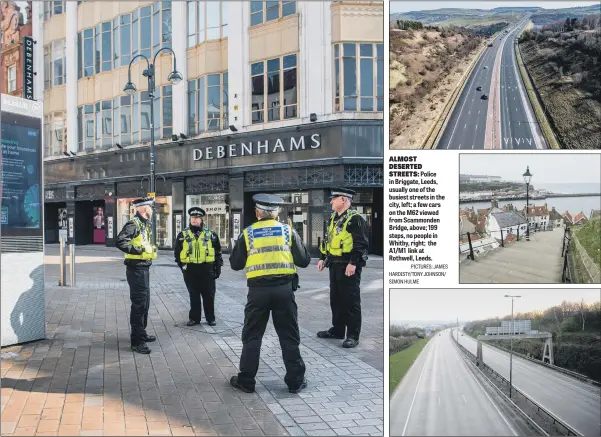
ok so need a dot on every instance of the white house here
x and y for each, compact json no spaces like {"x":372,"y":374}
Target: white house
{"x":538,"y":216}
{"x":555,"y":219}
{"x":505,"y":223}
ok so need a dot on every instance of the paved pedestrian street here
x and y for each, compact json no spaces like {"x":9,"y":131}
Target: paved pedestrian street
{"x":85,"y":380}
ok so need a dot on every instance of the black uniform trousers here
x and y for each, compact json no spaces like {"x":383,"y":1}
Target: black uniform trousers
{"x":138,"y":278}
{"x":280,"y":301}
{"x":200,"y":282}
{"x":345,"y":301}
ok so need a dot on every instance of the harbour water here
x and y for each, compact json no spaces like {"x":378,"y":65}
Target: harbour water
{"x":572,"y":204}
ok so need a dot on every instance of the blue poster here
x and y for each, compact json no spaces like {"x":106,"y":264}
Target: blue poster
{"x":21,"y":196}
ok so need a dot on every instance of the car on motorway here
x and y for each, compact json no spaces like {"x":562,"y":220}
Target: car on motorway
{"x":490,"y":45}
{"x":479,"y":88}
{"x":486,"y":67}
{"x":484,"y":97}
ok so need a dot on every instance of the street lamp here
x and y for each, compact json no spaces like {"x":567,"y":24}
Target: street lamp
{"x":527,"y":179}
{"x":511,"y":344}
{"x":174,"y":77}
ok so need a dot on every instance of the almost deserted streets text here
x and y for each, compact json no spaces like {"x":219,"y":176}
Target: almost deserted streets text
{"x":414,"y":204}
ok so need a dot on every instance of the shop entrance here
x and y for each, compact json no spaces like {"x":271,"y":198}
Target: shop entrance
{"x":296,"y":218}
{"x":90,"y":222}
{"x":295,"y":213}
{"x":55,"y":222}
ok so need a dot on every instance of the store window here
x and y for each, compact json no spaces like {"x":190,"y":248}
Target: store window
{"x":114,"y":43}
{"x":54,"y":8}
{"x":207,"y":103}
{"x":54,"y":134}
{"x":125,"y":120}
{"x":162,"y":207}
{"x":359,"y":77}
{"x":217,"y":218}
{"x":55,"y":64}
{"x":207,"y":20}
{"x":264,"y":11}
{"x":274,"y":86}
{"x":12,"y":78}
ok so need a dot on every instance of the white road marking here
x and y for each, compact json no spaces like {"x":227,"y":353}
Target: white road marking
{"x":464,"y":399}
{"x":465,"y":125}
{"x":416,"y":389}
{"x":488,"y":397}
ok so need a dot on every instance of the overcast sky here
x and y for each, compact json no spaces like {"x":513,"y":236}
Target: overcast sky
{"x":408,"y":6}
{"x":546,"y":168}
{"x":468,"y":305}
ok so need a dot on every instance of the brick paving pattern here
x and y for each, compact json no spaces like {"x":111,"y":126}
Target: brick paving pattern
{"x":84,"y":379}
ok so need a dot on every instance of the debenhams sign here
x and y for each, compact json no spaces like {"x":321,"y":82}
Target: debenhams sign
{"x":251,"y":148}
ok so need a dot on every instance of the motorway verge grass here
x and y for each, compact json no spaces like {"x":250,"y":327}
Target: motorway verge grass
{"x":400,"y":363}
{"x":539,"y":113}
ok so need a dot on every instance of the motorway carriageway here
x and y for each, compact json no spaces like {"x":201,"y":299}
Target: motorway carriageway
{"x":575,"y":403}
{"x":441,"y":394}
{"x":512,"y":123}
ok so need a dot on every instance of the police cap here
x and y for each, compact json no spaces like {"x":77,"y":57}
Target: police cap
{"x":342,"y":192}
{"x":268,"y":202}
{"x":196,"y":211}
{"x":143,"y":201}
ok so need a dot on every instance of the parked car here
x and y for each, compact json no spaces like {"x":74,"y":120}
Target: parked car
{"x":484,"y":97}
{"x":479,"y":88}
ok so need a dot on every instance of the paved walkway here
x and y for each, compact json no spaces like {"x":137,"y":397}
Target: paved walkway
{"x":525,"y":262}
{"x":84,"y":379}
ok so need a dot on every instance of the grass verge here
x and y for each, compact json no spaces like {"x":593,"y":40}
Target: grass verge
{"x":400,"y":363}
{"x":545,"y":127}
{"x":589,"y":237}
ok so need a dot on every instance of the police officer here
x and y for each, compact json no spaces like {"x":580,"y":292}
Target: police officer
{"x":198,"y":254}
{"x":269,"y":252}
{"x":344,"y":252}
{"x":134,"y":240}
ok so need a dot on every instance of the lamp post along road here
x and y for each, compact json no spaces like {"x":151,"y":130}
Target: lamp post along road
{"x":527,"y":179}
{"x":511,"y":345}
{"x":174,"y":77}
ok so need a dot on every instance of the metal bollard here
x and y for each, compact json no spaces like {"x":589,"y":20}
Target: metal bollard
{"x":72,"y":265}
{"x":62,"y":271}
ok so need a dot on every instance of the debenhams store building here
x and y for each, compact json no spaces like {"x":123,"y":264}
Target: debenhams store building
{"x":290,"y":117}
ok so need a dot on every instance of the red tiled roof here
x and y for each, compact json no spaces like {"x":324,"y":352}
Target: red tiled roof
{"x":538,"y":211}
{"x":579,"y":217}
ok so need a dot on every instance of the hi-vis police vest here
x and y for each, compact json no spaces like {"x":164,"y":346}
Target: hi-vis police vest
{"x":142,"y":240}
{"x":197,"y":250}
{"x":339,"y":241}
{"x":268,"y":249}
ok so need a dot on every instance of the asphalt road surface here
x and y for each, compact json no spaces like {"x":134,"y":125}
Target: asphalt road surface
{"x":467,"y":125}
{"x":572,"y":401}
{"x":441,"y":395}
{"x":519,"y":128}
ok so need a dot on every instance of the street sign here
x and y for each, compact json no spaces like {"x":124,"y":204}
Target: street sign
{"x":153,"y":195}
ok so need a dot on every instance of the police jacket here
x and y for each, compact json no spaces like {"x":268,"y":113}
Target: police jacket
{"x":196,"y":231}
{"x":357,"y":227}
{"x":128,"y":233}
{"x":300,"y":255}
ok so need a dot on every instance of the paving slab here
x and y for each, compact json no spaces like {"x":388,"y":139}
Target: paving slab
{"x":85,"y":376}
{"x":537,"y":261}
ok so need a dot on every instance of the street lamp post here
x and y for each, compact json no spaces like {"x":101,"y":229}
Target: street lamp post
{"x":174,"y":77}
{"x":511,"y":345}
{"x":527,"y":179}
